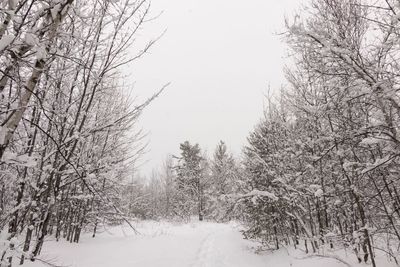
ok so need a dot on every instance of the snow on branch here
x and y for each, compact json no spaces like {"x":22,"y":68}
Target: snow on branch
{"x":259,"y":193}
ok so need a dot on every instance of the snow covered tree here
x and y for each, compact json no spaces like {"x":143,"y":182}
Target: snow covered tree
{"x":168,"y":181}
{"x":190,"y":181}
{"x":266,"y":168}
{"x":223,"y":182}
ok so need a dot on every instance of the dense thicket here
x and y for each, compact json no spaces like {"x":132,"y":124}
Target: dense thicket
{"x":66,"y":138}
{"x":323,"y":165}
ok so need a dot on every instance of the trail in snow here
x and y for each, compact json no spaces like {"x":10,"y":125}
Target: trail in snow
{"x":209,"y":254}
{"x":204,"y":255}
{"x":171,"y":245}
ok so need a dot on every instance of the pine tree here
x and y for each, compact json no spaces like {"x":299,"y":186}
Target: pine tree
{"x":189,"y":180}
{"x":222,"y":183}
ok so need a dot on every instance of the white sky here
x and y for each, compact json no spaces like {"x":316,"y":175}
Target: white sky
{"x":220,"y":56}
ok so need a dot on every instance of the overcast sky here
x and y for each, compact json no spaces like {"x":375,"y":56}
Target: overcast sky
{"x":220,"y":57}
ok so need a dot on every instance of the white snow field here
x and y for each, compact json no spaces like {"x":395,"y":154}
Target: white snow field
{"x":162,"y":244}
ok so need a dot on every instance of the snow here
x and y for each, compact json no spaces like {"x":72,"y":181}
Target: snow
{"x":55,"y":10}
{"x":20,"y":160}
{"x":31,"y":39}
{"x":259,"y":193}
{"x":378,"y":163}
{"x":162,"y":244}
{"x":6,"y":41}
{"x":13,"y":4}
{"x":2,"y":135}
{"x":319,"y":193}
{"x":370,"y":141}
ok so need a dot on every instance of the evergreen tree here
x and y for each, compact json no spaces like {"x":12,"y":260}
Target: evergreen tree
{"x":224,"y":176}
{"x":189,"y":180}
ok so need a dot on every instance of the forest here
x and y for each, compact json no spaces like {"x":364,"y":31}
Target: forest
{"x":319,"y":173}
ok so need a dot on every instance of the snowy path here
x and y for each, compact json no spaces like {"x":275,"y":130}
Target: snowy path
{"x":169,"y":245}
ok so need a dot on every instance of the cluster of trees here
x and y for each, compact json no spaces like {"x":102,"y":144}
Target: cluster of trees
{"x":190,"y":185}
{"x":323,"y":165}
{"x":67,"y":142}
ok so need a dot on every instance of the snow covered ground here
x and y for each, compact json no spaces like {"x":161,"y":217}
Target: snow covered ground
{"x":162,"y":244}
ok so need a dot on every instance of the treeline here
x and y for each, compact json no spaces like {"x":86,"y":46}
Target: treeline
{"x":67,"y":142}
{"x":322,"y":167}
{"x":189,"y":185}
